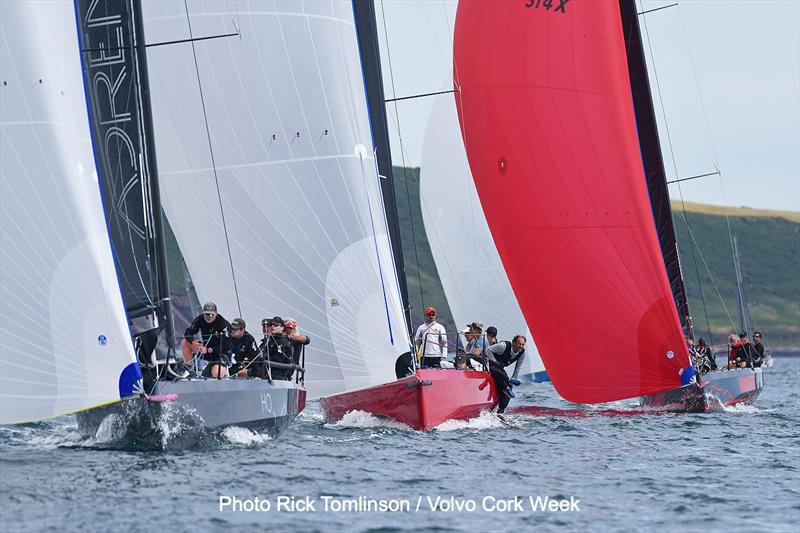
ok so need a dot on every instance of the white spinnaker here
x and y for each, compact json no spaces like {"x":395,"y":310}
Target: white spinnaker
{"x":64,"y":338}
{"x":292,"y":148}
{"x":473,"y":278}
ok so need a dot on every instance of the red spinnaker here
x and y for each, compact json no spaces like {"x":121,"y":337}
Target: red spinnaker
{"x":548,"y":124}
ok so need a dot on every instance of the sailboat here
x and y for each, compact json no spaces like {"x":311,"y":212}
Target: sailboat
{"x":427,"y":397}
{"x":267,"y":175}
{"x":557,"y":119}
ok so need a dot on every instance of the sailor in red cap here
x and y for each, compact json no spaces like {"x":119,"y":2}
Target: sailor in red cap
{"x":432,"y":338}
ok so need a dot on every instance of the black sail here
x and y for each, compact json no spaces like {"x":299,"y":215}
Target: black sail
{"x":652,"y":158}
{"x":367,"y":30}
{"x":115,"y":73}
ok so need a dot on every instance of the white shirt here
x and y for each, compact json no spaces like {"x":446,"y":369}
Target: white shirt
{"x":430,"y":336}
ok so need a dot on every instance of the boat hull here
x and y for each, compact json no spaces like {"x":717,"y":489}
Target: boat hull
{"x":422,"y":401}
{"x":716,"y":389}
{"x":189,"y":409}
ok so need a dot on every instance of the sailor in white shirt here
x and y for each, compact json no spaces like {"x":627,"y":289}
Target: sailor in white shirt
{"x":433,"y":338}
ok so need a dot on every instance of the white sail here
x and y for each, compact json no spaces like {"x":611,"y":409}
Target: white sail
{"x":473,"y":278}
{"x":64,"y":339}
{"x":292,"y":175}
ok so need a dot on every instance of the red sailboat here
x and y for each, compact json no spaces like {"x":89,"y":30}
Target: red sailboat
{"x":556,"y":115}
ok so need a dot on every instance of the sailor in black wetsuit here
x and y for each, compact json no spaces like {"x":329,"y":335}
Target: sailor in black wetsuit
{"x":758,"y":356}
{"x":242,"y":349}
{"x":503,"y":354}
{"x":275,"y":347}
{"x":296,"y":339}
{"x":213,"y":333}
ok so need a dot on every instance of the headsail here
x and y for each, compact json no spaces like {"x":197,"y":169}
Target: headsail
{"x":268,"y":177}
{"x":548,"y":123}
{"x":65,"y":343}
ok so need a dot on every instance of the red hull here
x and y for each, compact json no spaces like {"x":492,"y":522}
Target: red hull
{"x":423,"y":401}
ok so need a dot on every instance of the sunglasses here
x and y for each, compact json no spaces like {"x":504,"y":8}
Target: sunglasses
{"x":209,"y":314}
{"x":235,"y":329}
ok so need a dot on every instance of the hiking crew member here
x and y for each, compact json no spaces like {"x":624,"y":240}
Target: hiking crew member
{"x":275,"y":347}
{"x":213,"y":329}
{"x":242,"y":349}
{"x":432,"y":337}
{"x":746,"y":354}
{"x":505,"y":353}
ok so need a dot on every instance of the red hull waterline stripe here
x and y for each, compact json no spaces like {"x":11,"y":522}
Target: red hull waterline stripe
{"x":548,"y":123}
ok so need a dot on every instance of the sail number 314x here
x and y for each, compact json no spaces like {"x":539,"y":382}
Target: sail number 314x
{"x":548,"y":4}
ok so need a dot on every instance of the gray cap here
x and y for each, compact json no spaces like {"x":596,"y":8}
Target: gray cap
{"x":210,"y":307}
{"x":237,"y":323}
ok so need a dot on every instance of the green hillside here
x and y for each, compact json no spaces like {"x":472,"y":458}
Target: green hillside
{"x":769,"y":249}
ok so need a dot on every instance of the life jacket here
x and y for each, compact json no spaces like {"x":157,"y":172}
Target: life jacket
{"x":506,"y":358}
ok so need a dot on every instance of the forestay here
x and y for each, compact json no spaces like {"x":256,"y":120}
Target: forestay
{"x":268,"y":177}
{"x":548,"y":123}
{"x":64,"y":339}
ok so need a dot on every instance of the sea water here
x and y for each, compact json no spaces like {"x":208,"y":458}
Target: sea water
{"x":599,"y":468}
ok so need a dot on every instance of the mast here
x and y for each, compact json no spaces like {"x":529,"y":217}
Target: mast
{"x":367,"y":32}
{"x":164,"y":301}
{"x":653,"y":159}
{"x":745,"y":322}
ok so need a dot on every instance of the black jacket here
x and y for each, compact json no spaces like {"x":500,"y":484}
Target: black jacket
{"x":211,"y":334}
{"x":276,"y":349}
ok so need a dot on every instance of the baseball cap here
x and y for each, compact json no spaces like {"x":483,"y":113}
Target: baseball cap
{"x":209,"y":307}
{"x":430,"y":310}
{"x":237,"y":323}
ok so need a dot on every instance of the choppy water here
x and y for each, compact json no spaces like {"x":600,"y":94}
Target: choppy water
{"x":736,"y":470}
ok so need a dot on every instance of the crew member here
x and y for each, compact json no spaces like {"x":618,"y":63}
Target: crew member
{"x":758,"y":347}
{"x":242,"y":349}
{"x":505,"y":353}
{"x":431,"y":337}
{"x":275,"y":347}
{"x":213,"y":329}
{"x":296,"y":339}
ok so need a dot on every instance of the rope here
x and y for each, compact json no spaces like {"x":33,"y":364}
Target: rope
{"x":213,"y":162}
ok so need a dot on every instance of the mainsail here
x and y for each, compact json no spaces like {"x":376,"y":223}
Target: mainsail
{"x":64,"y":338}
{"x":548,"y":122}
{"x":269,"y":180}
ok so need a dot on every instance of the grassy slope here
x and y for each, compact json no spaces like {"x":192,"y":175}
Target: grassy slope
{"x":769,"y":250}
{"x":769,"y":247}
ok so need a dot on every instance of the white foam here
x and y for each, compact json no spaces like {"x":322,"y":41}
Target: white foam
{"x":486,"y":420}
{"x":361,"y":419}
{"x":244,"y":436}
{"x":745,"y":408}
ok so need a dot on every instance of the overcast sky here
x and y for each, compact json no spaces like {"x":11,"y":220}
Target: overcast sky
{"x":729,"y":77}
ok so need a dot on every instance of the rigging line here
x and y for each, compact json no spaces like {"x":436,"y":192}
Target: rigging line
{"x":163,"y":43}
{"x":403,"y":160}
{"x":213,"y":162}
{"x":418,"y":96}
{"x":697,"y":86}
{"x":717,"y":173}
{"x":672,"y":152}
{"x":655,"y":9}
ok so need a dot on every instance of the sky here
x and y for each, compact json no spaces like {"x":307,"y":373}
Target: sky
{"x":727,"y":71}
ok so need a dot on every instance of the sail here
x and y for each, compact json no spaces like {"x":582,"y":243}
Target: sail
{"x":548,"y":123}
{"x":113,"y":78}
{"x":472,"y":275}
{"x":268,"y":176}
{"x":64,"y":339}
{"x":653,"y":159}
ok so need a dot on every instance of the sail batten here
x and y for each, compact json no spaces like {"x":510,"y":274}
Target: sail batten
{"x":548,"y":123}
